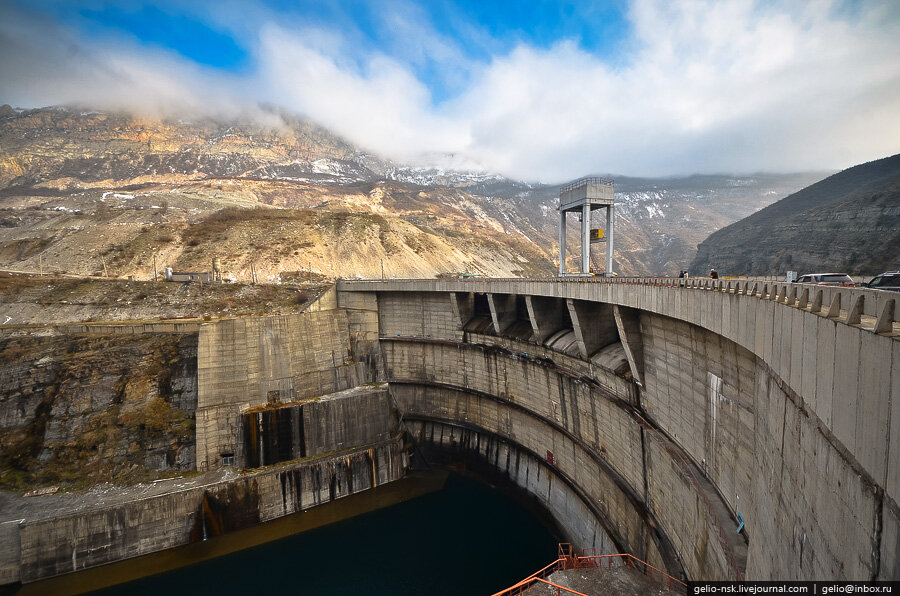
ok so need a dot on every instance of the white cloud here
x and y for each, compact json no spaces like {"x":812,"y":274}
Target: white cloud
{"x":44,"y":64}
{"x":379,"y":105}
{"x":706,"y":86}
{"x":719,"y":86}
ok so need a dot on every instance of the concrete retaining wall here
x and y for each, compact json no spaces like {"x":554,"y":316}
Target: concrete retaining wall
{"x":71,"y":543}
{"x":246,"y":363}
{"x":336,"y":422}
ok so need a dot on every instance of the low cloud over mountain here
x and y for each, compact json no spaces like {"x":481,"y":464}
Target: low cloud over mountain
{"x":732,"y":86}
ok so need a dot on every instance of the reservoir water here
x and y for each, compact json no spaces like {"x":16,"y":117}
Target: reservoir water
{"x":467,"y":538}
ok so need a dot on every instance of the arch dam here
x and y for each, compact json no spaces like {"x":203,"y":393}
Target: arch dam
{"x":718,"y":429}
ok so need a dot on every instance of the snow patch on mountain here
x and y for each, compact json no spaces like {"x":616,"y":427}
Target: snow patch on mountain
{"x":436,"y":176}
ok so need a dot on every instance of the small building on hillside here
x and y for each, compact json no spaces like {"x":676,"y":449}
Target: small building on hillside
{"x":196,"y":276}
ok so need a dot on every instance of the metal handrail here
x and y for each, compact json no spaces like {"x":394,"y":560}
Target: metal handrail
{"x":648,"y":568}
{"x":567,"y":560}
{"x":527,"y":583}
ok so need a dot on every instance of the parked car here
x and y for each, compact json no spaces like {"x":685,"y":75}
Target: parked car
{"x":886,"y":281}
{"x":827,"y":279}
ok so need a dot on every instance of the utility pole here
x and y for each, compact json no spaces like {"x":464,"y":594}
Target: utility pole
{"x":41,"y":261}
{"x":105,"y":272}
{"x":154,"y":267}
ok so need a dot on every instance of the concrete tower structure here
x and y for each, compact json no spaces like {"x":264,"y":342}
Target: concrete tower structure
{"x":586,"y":195}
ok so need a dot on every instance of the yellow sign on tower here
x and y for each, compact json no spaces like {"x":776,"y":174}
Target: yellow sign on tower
{"x":597,"y":235}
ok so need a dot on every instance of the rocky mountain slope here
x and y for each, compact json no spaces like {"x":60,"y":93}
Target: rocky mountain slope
{"x":659,"y":221}
{"x":122,"y":410}
{"x":105,"y":194}
{"x":849,"y":222}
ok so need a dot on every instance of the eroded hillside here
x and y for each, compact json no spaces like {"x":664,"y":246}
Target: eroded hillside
{"x":98,"y":194}
{"x":91,"y":193}
{"x":50,"y":300}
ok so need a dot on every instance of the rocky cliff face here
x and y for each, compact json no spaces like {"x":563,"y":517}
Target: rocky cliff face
{"x":849,"y":222}
{"x":102,"y":194}
{"x":76,"y":410}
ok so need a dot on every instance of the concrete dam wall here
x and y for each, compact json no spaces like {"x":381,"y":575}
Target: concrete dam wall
{"x":75,"y":542}
{"x":82,"y":531}
{"x":254,"y":362}
{"x":653,"y":419}
{"x":283,"y":397}
{"x":648,"y":419}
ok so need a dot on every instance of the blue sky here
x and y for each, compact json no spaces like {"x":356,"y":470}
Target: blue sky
{"x":152,"y":25}
{"x":537,"y":90}
{"x":480,"y":30}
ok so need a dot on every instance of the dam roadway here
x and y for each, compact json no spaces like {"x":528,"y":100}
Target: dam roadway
{"x":717,"y":429}
{"x":652,"y":415}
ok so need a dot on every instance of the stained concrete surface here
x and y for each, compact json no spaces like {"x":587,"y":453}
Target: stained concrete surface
{"x":737,"y":383}
{"x":14,"y":506}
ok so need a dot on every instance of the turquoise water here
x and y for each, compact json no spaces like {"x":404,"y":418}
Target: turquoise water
{"x":467,"y":538}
